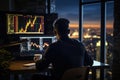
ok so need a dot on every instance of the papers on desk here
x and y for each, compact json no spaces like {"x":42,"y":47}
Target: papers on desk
{"x":97,"y":63}
{"x":29,"y":64}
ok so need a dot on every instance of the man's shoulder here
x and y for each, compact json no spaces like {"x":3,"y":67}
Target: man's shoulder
{"x":76,"y":41}
{"x":55,"y":43}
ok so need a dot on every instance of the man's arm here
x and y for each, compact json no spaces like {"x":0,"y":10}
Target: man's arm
{"x":45,"y":61}
{"x":42,"y":64}
{"x":88,"y":59}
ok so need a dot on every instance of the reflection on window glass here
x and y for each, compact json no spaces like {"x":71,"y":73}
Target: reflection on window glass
{"x":91,"y":27}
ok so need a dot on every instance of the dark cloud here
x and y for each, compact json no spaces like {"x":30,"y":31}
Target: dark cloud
{"x":110,"y":12}
{"x":68,"y":9}
{"x":71,"y":16}
{"x":91,"y":12}
{"x":67,"y":3}
{"x":90,"y":0}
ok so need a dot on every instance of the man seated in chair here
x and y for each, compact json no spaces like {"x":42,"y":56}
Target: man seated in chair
{"x":65,"y":53}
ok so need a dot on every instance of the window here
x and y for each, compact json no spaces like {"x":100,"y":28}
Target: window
{"x":96,"y":30}
{"x":91,"y":29}
{"x":91,"y":21}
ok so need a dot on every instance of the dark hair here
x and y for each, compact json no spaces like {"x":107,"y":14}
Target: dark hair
{"x":61,"y":25}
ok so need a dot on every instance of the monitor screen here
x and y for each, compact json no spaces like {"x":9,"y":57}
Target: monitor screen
{"x":35,"y":44}
{"x":25,"y":24}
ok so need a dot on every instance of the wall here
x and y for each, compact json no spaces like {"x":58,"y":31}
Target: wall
{"x":4,"y":5}
{"x":116,"y":54}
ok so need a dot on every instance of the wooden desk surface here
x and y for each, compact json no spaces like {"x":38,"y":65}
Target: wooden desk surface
{"x":18,"y":66}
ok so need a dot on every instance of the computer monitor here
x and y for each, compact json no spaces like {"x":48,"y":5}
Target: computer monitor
{"x":35,"y":45}
{"x":18,"y":23}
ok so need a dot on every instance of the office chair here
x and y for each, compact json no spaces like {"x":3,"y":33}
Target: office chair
{"x":80,"y":73}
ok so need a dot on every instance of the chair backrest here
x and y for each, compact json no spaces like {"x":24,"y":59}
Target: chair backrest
{"x":80,"y":73}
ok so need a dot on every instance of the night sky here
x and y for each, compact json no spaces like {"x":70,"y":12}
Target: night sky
{"x":68,"y":9}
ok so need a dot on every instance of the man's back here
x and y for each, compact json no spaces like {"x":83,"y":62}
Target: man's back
{"x":65,"y":54}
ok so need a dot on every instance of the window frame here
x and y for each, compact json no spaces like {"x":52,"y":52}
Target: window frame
{"x":102,"y":28}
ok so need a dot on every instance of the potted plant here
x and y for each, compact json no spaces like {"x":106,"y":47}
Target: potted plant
{"x":5,"y":58}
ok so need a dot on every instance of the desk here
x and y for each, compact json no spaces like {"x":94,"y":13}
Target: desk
{"x":17,"y":67}
{"x":98,"y":65}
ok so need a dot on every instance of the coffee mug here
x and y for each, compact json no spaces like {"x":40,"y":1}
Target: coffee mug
{"x":37,"y":57}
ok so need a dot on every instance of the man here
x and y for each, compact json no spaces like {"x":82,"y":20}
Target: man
{"x":65,"y":53}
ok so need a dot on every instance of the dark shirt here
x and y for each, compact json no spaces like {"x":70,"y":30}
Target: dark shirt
{"x":64,"y":54}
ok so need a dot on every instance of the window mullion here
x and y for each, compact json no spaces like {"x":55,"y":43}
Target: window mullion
{"x":103,"y":37}
{"x":81,"y":21}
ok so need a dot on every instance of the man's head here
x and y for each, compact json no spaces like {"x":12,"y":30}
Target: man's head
{"x":61,"y":26}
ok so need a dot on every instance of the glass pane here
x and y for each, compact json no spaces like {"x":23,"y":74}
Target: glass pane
{"x":91,"y":27}
{"x":109,"y":31}
{"x":109,"y":37}
{"x":89,"y":0}
{"x":69,"y":9}
{"x":91,"y":33}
